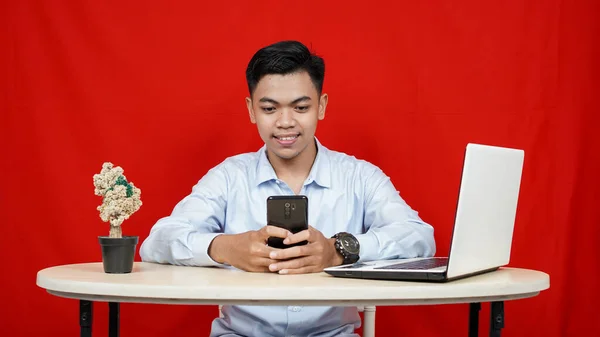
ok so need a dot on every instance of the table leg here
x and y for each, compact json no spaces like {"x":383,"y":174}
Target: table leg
{"x":474,"y":319}
{"x":113,"y":319}
{"x":496,"y":318}
{"x":85,"y":318}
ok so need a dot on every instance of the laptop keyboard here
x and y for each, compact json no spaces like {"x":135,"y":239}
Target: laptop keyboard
{"x":419,"y":264}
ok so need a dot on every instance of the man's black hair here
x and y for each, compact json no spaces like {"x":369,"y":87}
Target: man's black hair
{"x":285,"y":57}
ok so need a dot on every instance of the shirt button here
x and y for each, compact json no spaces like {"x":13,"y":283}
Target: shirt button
{"x":296,"y":309}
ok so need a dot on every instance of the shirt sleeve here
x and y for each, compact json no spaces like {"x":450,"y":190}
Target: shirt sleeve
{"x":183,"y":237}
{"x":392,"y":228}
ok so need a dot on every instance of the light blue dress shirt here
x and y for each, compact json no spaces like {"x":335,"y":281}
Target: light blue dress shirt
{"x":345,"y":194}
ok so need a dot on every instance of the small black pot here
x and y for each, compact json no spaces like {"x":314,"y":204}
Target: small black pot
{"x":118,"y":253}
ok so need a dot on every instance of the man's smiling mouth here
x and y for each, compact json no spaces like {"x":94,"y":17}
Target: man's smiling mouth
{"x":287,"y":137}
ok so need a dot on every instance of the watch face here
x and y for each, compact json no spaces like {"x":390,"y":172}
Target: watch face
{"x":350,"y":244}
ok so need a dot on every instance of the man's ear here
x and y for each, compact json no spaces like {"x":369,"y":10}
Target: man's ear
{"x":322,"y":106}
{"x":250,"y":110}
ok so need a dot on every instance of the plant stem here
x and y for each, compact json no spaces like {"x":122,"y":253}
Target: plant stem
{"x":115,"y":232}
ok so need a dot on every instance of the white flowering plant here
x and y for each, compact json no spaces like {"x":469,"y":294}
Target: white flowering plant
{"x":120,"y":198}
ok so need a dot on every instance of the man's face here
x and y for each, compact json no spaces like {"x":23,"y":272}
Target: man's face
{"x":286,"y":108}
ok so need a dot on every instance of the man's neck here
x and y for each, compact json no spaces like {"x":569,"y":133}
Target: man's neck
{"x":296,"y":168}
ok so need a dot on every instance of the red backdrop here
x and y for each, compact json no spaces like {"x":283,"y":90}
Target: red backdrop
{"x":159,"y":90}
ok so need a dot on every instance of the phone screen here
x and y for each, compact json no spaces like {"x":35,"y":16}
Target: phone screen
{"x":289,"y":212}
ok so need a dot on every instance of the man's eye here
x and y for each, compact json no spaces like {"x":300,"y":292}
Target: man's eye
{"x":268,"y":109}
{"x":302,"y":108}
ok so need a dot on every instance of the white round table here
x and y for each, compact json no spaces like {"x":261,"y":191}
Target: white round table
{"x":156,"y":283}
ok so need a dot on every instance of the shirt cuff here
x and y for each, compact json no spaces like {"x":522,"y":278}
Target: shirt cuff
{"x":199,"y":243}
{"x":369,"y":246}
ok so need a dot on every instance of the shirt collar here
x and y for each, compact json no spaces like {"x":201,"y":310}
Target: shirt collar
{"x":320,"y":171}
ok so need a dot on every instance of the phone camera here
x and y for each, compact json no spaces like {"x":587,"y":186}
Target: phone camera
{"x":287,"y":205}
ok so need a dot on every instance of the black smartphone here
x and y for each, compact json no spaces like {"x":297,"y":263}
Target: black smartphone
{"x":289,"y":212}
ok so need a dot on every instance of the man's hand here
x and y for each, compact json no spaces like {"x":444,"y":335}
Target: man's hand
{"x":313,"y":257}
{"x":247,"y":251}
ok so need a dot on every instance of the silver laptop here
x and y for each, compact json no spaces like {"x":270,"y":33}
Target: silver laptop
{"x":483,"y":225}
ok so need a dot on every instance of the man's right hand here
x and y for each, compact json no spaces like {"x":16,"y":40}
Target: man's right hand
{"x":247,"y":251}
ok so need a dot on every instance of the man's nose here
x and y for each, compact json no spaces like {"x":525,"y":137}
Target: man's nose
{"x":286,"y":118}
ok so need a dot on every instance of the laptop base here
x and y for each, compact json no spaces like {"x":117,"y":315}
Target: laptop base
{"x":400,"y":276}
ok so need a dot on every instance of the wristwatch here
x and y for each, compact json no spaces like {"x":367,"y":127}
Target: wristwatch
{"x":347,"y":245}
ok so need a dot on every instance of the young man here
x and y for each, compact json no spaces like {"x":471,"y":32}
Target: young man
{"x":223,"y":221}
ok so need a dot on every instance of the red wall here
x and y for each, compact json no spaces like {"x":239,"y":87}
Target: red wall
{"x":159,"y":90}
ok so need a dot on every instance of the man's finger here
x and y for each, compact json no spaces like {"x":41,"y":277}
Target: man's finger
{"x":275,"y":231}
{"x":290,"y":253}
{"x":298,"y":263}
{"x":298,"y":237}
{"x":263,"y":262}
{"x":259,"y":265}
{"x":260,"y":250}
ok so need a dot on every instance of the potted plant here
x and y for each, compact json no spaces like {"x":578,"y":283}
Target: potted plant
{"x":120,"y":200}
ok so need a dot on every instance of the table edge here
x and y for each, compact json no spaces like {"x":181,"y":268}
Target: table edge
{"x":316,"y":302}
{"x":149,"y":294}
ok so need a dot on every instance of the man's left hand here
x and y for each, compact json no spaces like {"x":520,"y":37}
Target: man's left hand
{"x":318,"y":254}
